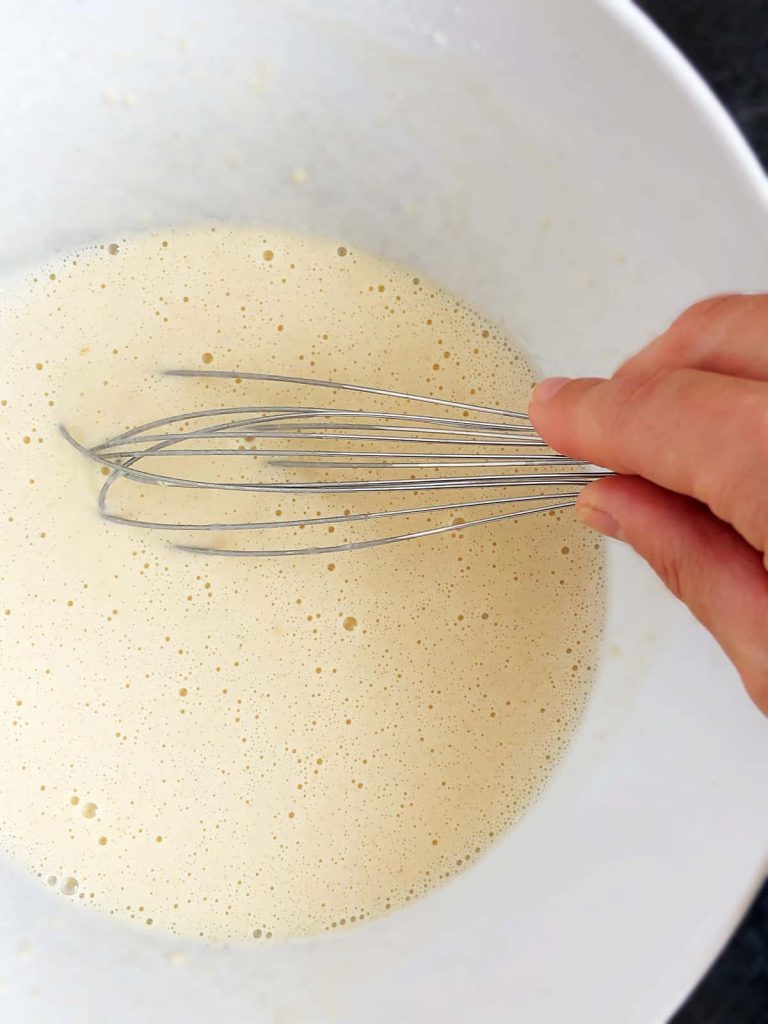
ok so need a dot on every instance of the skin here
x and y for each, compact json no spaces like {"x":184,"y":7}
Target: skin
{"x":685,"y":424}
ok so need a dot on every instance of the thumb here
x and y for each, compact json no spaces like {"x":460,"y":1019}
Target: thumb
{"x":702,"y":560}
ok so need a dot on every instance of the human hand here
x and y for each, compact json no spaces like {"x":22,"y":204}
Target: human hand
{"x":685,"y":423}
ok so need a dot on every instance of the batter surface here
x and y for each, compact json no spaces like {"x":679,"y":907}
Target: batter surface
{"x":238,"y":748}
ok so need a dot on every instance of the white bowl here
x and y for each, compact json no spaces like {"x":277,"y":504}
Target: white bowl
{"x":559,"y":165}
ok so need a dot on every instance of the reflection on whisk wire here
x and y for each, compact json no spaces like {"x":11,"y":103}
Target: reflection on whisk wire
{"x":497,"y":445}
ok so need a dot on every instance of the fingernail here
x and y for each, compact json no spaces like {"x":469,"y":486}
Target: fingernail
{"x":599,"y":520}
{"x":548,"y":388}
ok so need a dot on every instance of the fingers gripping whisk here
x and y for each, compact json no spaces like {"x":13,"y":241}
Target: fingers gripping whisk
{"x":375,"y":473}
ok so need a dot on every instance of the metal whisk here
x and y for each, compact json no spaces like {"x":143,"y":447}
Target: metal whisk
{"x":478,"y":448}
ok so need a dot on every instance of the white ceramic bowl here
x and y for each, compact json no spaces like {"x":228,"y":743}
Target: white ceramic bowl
{"x":559,"y":165}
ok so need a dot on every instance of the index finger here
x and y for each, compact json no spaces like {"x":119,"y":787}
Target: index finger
{"x":725,"y":334}
{"x":694,"y":432}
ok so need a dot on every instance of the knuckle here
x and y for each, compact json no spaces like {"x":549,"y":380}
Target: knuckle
{"x":639,"y":391}
{"x":752,"y":659}
{"x":757,"y":427}
{"x":639,"y":386}
{"x":628,"y":417}
{"x":670,"y":571}
{"x":755,"y":680}
{"x":683,"y":338}
{"x":700,"y":314}
{"x":741,"y":497}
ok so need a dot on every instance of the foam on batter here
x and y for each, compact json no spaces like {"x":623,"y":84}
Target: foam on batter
{"x":237,"y":748}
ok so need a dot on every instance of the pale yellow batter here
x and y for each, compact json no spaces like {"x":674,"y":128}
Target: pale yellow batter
{"x":238,"y":748}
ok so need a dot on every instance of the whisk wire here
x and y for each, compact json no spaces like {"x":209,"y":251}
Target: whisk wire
{"x":247,"y":428}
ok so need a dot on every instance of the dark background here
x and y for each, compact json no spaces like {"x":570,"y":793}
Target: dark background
{"x":727,"y":40}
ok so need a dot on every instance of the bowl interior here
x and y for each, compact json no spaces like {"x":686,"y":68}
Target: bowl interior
{"x":557,"y":166}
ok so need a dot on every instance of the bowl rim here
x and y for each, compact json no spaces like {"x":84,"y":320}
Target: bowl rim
{"x":627,"y":15}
